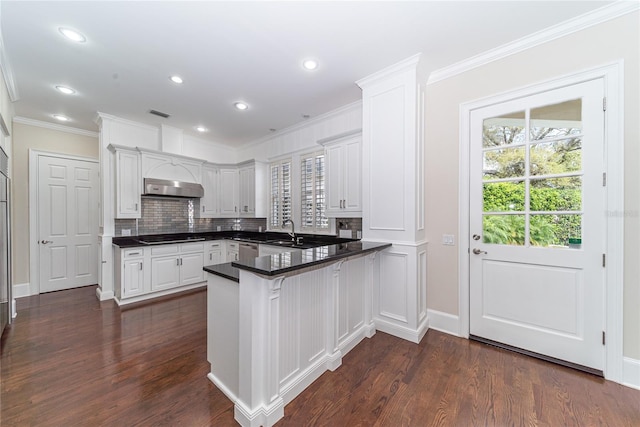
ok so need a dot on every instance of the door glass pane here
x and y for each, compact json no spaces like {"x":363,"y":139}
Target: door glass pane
{"x":556,"y":194}
{"x":557,"y":120}
{"x":563,"y":231}
{"x":503,"y":229}
{"x":503,"y":196}
{"x":504,"y":130}
{"x":503,"y":163}
{"x":556,"y":157}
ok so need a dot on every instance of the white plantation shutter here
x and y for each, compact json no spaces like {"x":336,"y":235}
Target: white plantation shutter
{"x":280,"y":195}
{"x":312,"y":195}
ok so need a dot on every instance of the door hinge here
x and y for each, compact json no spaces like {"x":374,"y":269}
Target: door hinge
{"x":603,"y":338}
{"x":604,"y":179}
{"x":604,"y":104}
{"x":604,"y":260}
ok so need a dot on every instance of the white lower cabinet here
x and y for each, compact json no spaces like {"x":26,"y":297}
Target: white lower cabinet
{"x":233,"y":251}
{"x":146,"y":272}
{"x":213,"y":252}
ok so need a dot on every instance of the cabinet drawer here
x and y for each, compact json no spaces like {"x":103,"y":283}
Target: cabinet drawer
{"x":192,"y":247}
{"x":164,"y":249}
{"x":133,"y":253}
{"x":214,"y":246}
{"x":232,"y":246}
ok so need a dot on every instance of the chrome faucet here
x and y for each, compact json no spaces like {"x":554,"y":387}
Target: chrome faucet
{"x":293,"y":229}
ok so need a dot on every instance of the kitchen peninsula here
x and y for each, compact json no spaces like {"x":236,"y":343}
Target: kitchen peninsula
{"x":276,"y":323}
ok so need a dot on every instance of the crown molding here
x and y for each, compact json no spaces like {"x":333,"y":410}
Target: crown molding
{"x":54,"y":126}
{"x":406,"y":64}
{"x":7,"y":72}
{"x":301,"y":125}
{"x":589,"y":19}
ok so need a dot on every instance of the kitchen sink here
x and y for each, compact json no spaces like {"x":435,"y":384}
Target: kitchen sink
{"x":282,"y":243}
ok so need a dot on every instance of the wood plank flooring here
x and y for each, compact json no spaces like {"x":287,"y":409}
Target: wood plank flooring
{"x":70,"y":360}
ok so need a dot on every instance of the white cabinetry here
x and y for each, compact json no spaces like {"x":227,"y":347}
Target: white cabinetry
{"x":247,"y":196}
{"x":343,"y":164}
{"x":128,"y":183}
{"x":171,"y":167}
{"x":176,"y":265}
{"x":233,"y":251}
{"x":210,"y":203}
{"x":214,"y":252}
{"x":130,"y":272}
{"x":229,"y":192}
{"x":148,"y":271}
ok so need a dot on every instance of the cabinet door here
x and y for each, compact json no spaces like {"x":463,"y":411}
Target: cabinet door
{"x":165,"y":273}
{"x":191,"y":268}
{"x":232,"y":256}
{"x":132,"y":278}
{"x":334,"y":166}
{"x":214,"y":257}
{"x":127,"y":185}
{"x":209,"y":207}
{"x":352,"y":187}
{"x":229,"y":192}
{"x":247,"y":179}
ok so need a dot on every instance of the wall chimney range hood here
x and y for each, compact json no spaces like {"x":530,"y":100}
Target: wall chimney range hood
{"x":164,"y":187}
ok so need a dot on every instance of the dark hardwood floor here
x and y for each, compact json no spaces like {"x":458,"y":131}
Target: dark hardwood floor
{"x":70,"y":360}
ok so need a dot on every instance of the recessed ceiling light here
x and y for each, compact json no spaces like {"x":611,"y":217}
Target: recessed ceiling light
{"x":176,"y":79}
{"x":66,"y":90}
{"x":72,"y":35}
{"x":310,"y":64}
{"x":201,"y":129}
{"x":241,"y":106}
{"x":61,"y":117}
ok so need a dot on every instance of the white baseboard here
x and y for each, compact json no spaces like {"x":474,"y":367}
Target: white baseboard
{"x":403,"y":332}
{"x":444,"y":322}
{"x":21,"y":290}
{"x":631,"y":373}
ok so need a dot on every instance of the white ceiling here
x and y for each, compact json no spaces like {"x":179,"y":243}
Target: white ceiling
{"x":234,"y":50}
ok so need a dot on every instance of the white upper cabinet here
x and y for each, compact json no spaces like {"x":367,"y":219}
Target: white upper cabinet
{"x":247,"y":178}
{"x":128,"y":183}
{"x":229,"y":192}
{"x":210,"y":203}
{"x":343,"y":164}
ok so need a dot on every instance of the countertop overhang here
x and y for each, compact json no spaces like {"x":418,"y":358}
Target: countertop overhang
{"x":286,"y":262}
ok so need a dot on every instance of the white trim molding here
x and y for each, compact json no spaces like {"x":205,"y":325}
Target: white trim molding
{"x":612,"y":75}
{"x":443,"y":322}
{"x":21,"y":290}
{"x":631,"y":376}
{"x":589,"y":19}
{"x":54,"y":126}
{"x":7,"y":72}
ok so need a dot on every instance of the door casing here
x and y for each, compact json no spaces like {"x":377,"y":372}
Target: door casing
{"x":34,"y":253}
{"x":612,"y":74}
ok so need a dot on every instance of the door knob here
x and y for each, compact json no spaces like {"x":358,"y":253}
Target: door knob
{"x":478,"y":251}
{"x":44,"y":242}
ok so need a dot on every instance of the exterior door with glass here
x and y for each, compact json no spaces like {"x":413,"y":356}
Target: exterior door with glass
{"x":537,"y":223}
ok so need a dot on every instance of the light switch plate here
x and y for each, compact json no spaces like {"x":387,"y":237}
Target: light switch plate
{"x":126,"y":232}
{"x":448,"y":240}
{"x":346,"y":234}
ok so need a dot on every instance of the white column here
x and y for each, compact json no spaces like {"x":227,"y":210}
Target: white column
{"x":393,"y":195}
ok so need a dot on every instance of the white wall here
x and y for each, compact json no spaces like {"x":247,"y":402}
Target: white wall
{"x":588,"y":48}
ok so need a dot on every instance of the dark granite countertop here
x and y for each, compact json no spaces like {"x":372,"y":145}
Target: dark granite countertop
{"x":272,"y":265}
{"x":308,"y":240}
{"x":225,"y":270}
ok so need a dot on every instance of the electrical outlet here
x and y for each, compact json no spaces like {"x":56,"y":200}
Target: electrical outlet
{"x":260,"y":229}
{"x":126,"y":232}
{"x":448,"y":240}
{"x":218,"y":228}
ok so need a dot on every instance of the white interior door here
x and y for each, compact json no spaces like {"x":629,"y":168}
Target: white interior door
{"x":537,"y":224}
{"x":67,"y":223}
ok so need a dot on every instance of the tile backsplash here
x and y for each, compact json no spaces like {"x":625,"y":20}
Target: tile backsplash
{"x":352,"y":224}
{"x":166,"y":215}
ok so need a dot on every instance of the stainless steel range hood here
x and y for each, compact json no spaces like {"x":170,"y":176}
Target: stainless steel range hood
{"x":163,"y":187}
